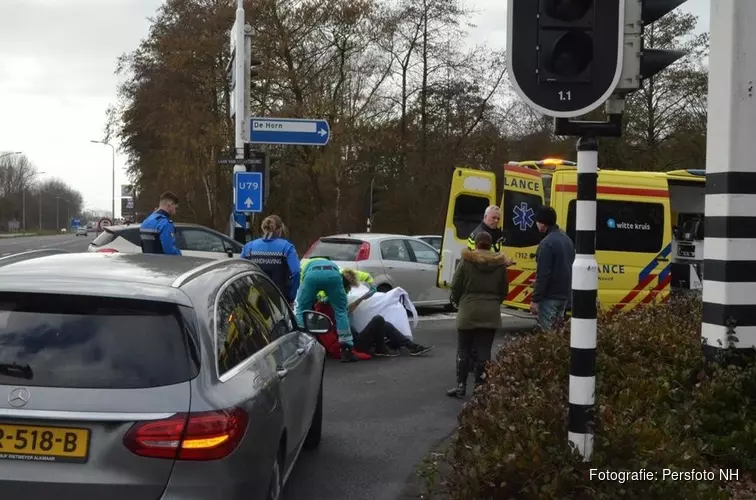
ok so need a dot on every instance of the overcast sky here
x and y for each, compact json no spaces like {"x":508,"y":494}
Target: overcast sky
{"x":57,"y":62}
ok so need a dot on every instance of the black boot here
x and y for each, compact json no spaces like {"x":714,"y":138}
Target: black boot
{"x":347,"y":356}
{"x":480,"y":373}
{"x":462,"y":369}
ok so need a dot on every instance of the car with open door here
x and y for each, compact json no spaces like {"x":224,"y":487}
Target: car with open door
{"x":192,"y":239}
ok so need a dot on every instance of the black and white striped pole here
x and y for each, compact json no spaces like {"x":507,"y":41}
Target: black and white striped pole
{"x":729,"y":285}
{"x":584,"y":294}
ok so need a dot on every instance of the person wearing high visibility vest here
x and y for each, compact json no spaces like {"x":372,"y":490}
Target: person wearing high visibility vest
{"x":490,"y":225}
{"x":362,"y":276}
{"x":320,"y":273}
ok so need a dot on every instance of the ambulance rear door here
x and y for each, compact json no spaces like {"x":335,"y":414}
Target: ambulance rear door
{"x":523,"y":195}
{"x":471,"y":192}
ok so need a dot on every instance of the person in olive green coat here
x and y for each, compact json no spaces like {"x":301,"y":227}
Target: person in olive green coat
{"x":479,"y":287}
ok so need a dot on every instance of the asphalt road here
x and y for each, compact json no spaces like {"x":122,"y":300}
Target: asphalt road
{"x":68,"y":242}
{"x":381,"y":417}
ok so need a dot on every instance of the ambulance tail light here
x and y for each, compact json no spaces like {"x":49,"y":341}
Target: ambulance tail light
{"x":364,"y":252}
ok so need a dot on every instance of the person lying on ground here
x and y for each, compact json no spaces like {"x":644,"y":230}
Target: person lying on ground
{"x":379,"y":334}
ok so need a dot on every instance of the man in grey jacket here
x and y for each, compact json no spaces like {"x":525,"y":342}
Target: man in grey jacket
{"x":554,"y":258}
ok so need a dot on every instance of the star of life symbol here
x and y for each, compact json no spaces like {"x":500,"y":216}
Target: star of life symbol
{"x":523,"y":216}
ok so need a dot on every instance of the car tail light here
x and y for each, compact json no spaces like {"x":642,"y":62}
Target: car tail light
{"x":209,"y":435}
{"x":106,"y":250}
{"x":364,"y":252}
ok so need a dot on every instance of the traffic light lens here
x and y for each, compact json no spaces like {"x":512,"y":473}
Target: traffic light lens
{"x":567,"y":11}
{"x":572,"y":54}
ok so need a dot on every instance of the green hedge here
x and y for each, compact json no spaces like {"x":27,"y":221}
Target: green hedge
{"x":659,"y":406}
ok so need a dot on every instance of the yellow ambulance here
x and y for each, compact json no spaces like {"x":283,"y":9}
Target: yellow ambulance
{"x":637,"y":215}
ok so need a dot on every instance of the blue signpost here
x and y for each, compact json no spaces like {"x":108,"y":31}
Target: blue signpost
{"x":248,"y":190}
{"x":289,"y":131}
{"x":75,"y":223}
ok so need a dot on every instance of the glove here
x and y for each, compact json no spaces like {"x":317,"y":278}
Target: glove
{"x":373,"y":289}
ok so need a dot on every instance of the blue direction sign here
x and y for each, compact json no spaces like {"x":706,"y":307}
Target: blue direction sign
{"x":291,"y":131}
{"x":248,"y":190}
{"x":75,"y":222}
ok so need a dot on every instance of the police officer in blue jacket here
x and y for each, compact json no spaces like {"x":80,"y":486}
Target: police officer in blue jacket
{"x":276,"y":256}
{"x":157,"y":232}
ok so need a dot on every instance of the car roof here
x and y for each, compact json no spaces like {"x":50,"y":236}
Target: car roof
{"x":139,"y":276}
{"x":137,"y":225}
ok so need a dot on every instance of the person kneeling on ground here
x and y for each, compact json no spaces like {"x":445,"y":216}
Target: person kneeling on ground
{"x":479,"y":286}
{"x":379,"y":334}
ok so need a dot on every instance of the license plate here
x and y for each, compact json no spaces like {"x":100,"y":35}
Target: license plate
{"x":686,"y":252}
{"x":43,"y":444}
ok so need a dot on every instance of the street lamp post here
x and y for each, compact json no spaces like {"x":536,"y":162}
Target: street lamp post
{"x":57,"y":213}
{"x":112,"y":190}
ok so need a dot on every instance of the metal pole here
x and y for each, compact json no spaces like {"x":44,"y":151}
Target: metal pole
{"x":239,"y":97}
{"x":40,"y":208}
{"x":57,"y":213}
{"x":112,"y":192}
{"x":729,"y":286}
{"x":23,"y":208}
{"x":584,"y":294}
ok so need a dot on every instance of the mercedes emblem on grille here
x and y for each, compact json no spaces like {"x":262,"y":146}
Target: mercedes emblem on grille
{"x":19,"y":397}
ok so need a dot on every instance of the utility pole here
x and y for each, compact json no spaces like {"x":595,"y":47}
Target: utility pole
{"x":57,"y":213}
{"x":729,"y":285}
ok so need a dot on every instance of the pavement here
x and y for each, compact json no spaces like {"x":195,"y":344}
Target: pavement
{"x":381,"y":417}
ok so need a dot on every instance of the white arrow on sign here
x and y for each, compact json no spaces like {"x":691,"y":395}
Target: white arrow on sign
{"x":248,"y":202}
{"x":322,"y":132}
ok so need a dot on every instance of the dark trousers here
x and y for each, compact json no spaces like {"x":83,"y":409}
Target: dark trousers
{"x":480,"y":341}
{"x":378,"y":333}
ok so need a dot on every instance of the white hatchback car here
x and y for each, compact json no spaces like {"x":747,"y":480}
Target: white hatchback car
{"x":192,"y":239}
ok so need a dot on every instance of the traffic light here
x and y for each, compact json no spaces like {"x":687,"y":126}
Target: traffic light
{"x":565,"y":56}
{"x":638,"y":63}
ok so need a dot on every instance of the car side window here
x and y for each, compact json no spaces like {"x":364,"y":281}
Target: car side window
{"x":281,"y":317}
{"x":132,"y":236}
{"x":423,"y":253}
{"x":200,"y":241}
{"x":240,"y":333}
{"x":394,"y":250}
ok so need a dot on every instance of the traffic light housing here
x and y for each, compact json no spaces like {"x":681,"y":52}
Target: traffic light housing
{"x":565,"y":56}
{"x":639,"y":63}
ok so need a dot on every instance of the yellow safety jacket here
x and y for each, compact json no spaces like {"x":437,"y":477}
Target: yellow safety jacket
{"x":361,"y":275}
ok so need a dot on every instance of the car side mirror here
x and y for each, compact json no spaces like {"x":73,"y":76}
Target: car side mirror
{"x":229,"y":252}
{"x":316,"y":323}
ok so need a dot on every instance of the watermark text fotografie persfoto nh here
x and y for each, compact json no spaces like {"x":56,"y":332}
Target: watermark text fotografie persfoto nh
{"x":623,"y":476}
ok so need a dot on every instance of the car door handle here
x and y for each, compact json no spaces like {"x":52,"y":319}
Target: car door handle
{"x":661,"y":259}
{"x":282,"y":372}
{"x":300,"y":351}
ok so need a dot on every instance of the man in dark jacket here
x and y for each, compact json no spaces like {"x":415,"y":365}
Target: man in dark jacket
{"x":554,"y":258}
{"x":490,"y":225}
